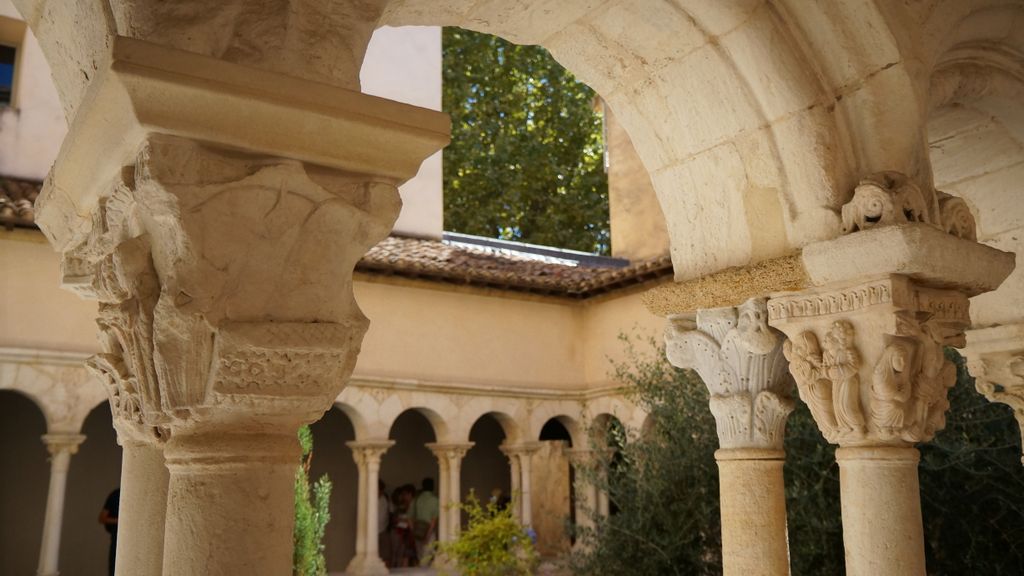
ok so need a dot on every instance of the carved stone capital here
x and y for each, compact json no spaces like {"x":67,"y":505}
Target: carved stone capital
{"x":224,"y":282}
{"x":868,"y":358}
{"x":739,"y":358}
{"x":450,"y":451}
{"x":63,"y":443}
{"x":369,"y":452}
{"x":995,"y":357}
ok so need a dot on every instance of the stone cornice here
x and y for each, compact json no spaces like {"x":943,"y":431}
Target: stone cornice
{"x":575,"y":394}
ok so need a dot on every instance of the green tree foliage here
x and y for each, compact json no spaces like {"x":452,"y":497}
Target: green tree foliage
{"x":493,"y":544}
{"x":312,"y":513}
{"x":526,"y":158}
{"x":665,"y":486}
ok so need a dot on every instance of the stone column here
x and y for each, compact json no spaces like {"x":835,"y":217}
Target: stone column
{"x":520,"y":457}
{"x":143,"y":504}
{"x":367,"y":455}
{"x":740,"y":360}
{"x":225,"y":216}
{"x":995,"y":357}
{"x":449,"y":457}
{"x":61,"y":447}
{"x":865,"y":346}
{"x":515,"y":477}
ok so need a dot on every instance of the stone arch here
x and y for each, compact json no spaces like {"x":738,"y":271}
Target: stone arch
{"x":754,"y":122}
{"x":976,"y":134}
{"x":57,"y":383}
{"x":571,"y":424}
{"x":751,"y":104}
{"x":355,"y":418}
{"x":437,"y":422}
{"x":504,"y":411}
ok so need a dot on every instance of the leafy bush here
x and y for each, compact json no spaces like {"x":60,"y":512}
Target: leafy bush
{"x":312,"y":513}
{"x":493,"y":544}
{"x":526,"y":161}
{"x":664,"y":485}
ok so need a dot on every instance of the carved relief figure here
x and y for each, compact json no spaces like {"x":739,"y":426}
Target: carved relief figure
{"x":815,"y":389}
{"x":841,"y":362}
{"x":891,"y":388}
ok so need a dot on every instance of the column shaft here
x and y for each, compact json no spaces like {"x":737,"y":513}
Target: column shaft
{"x":526,"y":503}
{"x":753,"y":508}
{"x":362,"y":511}
{"x":230,"y":504}
{"x":454,"y":495}
{"x":882,"y":529}
{"x":61,"y":447}
{"x":444,"y":533}
{"x":517,"y":490}
{"x":142,"y":509}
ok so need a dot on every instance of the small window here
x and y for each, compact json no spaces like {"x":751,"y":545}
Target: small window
{"x":7,"y":57}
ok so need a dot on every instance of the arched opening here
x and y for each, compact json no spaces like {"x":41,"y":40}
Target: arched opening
{"x":607,"y":433}
{"x":95,"y":472}
{"x":332,"y":457}
{"x":554,"y":498}
{"x":24,"y":475}
{"x":403,"y":470}
{"x":485,"y":470}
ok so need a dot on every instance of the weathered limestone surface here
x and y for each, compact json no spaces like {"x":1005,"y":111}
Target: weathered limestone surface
{"x":740,"y":359}
{"x":225,"y":323}
{"x":866,"y":351}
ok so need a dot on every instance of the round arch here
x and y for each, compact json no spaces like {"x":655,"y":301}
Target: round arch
{"x":747,"y":102}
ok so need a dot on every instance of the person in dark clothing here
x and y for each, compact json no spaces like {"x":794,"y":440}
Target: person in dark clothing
{"x":108,"y":517}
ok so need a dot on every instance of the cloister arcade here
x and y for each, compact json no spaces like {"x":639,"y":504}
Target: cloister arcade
{"x":837,"y":182}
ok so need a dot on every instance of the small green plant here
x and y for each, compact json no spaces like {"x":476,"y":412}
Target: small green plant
{"x":493,"y":544}
{"x":312,"y":513}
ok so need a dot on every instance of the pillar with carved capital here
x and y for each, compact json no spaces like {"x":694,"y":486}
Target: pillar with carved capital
{"x":449,"y":459}
{"x":367,"y":455}
{"x":515,"y":477}
{"x":865,"y":346}
{"x":226,"y":214}
{"x":740,"y":360}
{"x":520,"y":457}
{"x":61,"y":447}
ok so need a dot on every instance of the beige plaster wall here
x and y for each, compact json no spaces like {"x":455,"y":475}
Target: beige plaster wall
{"x":603,"y":322}
{"x":404,"y":64}
{"x":417,"y":332}
{"x":34,"y":311}
{"x":637,"y":223}
{"x":31,"y":132}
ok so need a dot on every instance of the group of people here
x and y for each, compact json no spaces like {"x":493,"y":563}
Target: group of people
{"x":408,"y":524}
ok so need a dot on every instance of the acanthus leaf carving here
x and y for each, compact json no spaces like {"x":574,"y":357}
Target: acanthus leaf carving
{"x":740,"y":360}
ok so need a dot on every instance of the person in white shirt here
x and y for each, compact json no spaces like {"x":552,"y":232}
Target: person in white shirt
{"x":383,"y":522}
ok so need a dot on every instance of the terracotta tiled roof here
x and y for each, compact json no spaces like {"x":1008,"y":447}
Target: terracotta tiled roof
{"x":16,"y":201}
{"x":503,"y":269}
